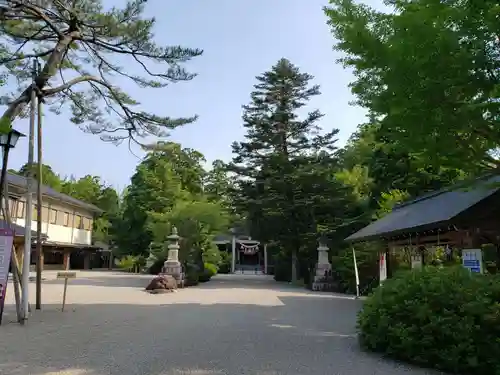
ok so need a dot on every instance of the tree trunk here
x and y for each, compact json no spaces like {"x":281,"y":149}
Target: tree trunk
{"x":50,"y":68}
{"x":294,"y":265}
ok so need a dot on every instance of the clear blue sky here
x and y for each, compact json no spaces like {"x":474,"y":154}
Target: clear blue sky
{"x":241,"y":39}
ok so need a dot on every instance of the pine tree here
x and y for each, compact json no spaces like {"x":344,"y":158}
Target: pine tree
{"x":277,"y":159}
{"x":85,"y":49}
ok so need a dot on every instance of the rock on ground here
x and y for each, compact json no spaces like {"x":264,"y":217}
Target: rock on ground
{"x":162,"y":284}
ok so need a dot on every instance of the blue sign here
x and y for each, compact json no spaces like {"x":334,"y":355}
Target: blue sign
{"x":472,"y":260}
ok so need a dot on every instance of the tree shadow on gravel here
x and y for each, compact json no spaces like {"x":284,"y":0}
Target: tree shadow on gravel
{"x":124,"y":280}
{"x":304,"y":335}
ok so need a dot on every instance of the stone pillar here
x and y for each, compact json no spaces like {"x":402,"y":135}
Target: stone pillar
{"x":233,"y":258}
{"x":323,"y":268}
{"x":66,"y":258}
{"x":172,"y":266}
{"x":86,"y":260}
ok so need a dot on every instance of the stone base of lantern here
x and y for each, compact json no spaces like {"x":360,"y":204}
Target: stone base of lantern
{"x":174,"y":269}
{"x":323,"y":280}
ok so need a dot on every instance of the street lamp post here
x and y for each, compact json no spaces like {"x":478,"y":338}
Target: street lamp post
{"x":7,"y":142}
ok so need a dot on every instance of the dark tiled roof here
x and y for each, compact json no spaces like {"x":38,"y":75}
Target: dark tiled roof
{"x":21,"y":181}
{"x":434,"y":208}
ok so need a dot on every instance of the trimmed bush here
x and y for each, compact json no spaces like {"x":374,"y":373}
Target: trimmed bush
{"x":156,"y":267}
{"x":208,"y":271}
{"x":192,"y":278}
{"x":225,"y":263}
{"x":127,"y":263}
{"x":444,"y":318}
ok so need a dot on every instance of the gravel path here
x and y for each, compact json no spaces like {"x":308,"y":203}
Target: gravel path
{"x":232,"y":325}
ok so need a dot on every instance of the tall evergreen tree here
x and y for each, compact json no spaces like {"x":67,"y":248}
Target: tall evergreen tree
{"x":277,"y":159}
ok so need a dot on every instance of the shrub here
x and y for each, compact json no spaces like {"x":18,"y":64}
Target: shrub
{"x":225,"y":263}
{"x":444,"y":318}
{"x":157,"y":266}
{"x":192,"y":278}
{"x":208,"y":271}
{"x":282,"y":268}
{"x":128,"y":263}
{"x":191,"y":274}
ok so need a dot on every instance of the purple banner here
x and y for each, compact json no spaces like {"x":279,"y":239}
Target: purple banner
{"x":6,"y":242}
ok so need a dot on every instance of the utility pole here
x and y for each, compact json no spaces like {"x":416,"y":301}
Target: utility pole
{"x":29,"y":198}
{"x":39,"y":248}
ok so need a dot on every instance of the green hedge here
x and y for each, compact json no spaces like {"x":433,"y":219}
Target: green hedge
{"x":444,"y":318}
{"x":208,"y":271}
{"x":225,"y":263}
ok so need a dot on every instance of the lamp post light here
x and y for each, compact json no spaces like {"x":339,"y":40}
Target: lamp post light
{"x":7,"y":141}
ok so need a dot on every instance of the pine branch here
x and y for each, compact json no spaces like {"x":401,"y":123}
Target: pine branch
{"x":75,"y":37}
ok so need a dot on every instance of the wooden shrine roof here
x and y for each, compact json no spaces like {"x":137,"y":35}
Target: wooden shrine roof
{"x":430,"y":210}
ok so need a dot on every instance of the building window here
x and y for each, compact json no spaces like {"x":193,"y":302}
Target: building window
{"x":66,"y":219}
{"x":78,"y":222}
{"x":13,"y":207}
{"x":34,"y":216}
{"x":20,"y":209}
{"x":87,"y":223}
{"x":53,"y":216}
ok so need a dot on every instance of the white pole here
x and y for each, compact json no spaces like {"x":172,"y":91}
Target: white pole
{"x":29,"y":202}
{"x":233,"y":261}
{"x":356,"y":272}
{"x":265,"y":259}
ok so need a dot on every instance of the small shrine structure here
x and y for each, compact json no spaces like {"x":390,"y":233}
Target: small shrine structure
{"x":463,"y":216}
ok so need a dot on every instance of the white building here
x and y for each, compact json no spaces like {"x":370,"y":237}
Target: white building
{"x":66,"y":226}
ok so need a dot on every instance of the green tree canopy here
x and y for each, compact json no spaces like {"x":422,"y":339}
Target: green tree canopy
{"x":428,"y":72}
{"x":49,"y":177}
{"x":167,"y":175}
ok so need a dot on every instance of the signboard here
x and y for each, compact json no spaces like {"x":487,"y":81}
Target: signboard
{"x":472,"y":259}
{"x":416,"y":261}
{"x":6,"y":242}
{"x":66,"y":275}
{"x":382,"y":268}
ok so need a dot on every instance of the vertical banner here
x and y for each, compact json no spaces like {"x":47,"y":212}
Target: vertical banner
{"x":6,"y":242}
{"x":356,"y":274}
{"x":382,"y":267}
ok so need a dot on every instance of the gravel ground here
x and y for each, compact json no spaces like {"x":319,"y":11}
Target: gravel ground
{"x":233,"y":325}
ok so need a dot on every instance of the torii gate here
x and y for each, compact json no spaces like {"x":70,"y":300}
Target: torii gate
{"x":250,"y":247}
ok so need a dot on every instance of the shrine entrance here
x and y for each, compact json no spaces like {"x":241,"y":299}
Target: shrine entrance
{"x":248,"y":255}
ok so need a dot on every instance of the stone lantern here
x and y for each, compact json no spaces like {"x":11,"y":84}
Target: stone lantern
{"x":172,"y":266}
{"x":323,"y":267}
